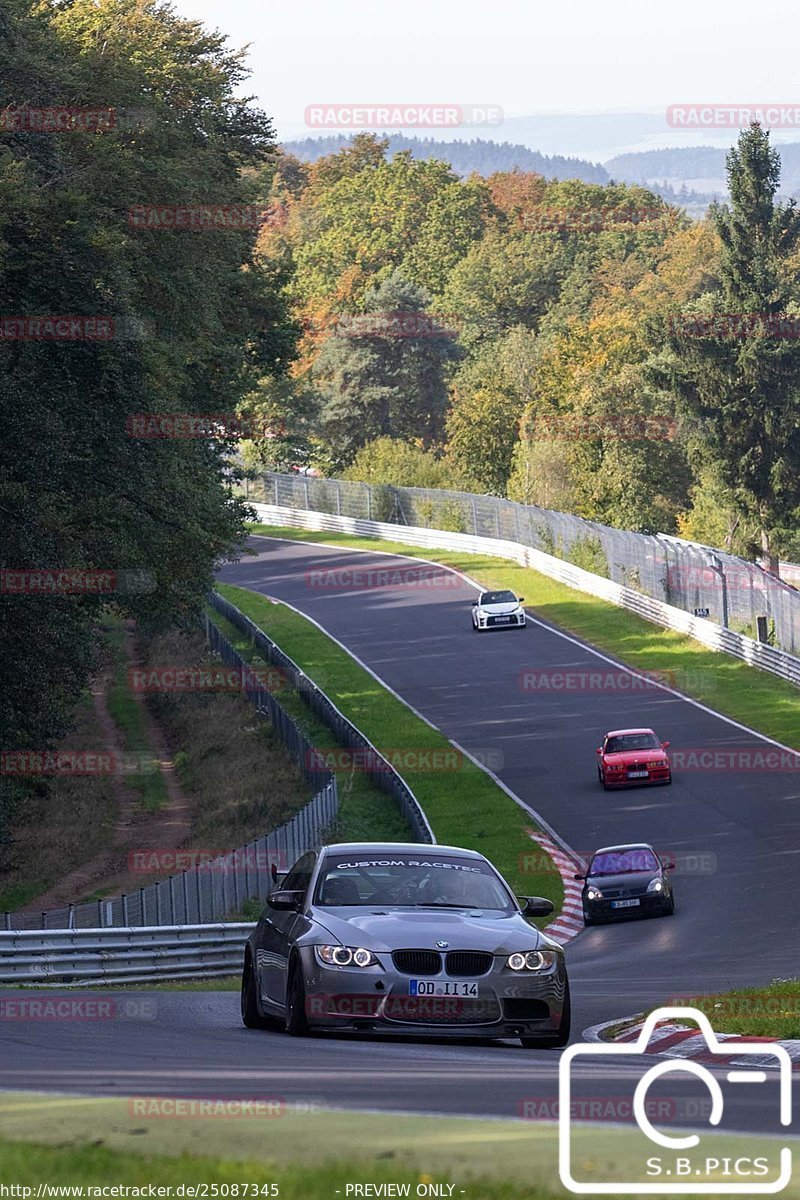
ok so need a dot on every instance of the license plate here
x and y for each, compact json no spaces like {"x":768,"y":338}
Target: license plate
{"x":637,"y":774}
{"x":624,"y":903}
{"x":442,"y":987}
{"x":499,"y":620}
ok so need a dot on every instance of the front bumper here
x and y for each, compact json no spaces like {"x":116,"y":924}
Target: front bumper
{"x":619,"y":779}
{"x":651,"y":904}
{"x":512,"y":621}
{"x":508,"y":1004}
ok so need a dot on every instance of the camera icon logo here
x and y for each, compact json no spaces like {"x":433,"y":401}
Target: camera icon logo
{"x":677,"y":1171}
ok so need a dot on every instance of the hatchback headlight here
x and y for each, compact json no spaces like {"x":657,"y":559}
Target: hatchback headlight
{"x":346,"y":956}
{"x":655,"y":885}
{"x":534,"y":960}
{"x":593,"y":893}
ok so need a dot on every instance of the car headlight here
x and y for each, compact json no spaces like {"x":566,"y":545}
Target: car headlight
{"x":534,"y":960}
{"x":652,"y":765}
{"x":593,"y":893}
{"x":616,"y":766}
{"x":346,"y":956}
{"x":655,"y":885}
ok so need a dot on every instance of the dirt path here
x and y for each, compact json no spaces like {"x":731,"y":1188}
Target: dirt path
{"x":134,"y":829}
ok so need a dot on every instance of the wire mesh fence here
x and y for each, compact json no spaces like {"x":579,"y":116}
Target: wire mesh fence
{"x":212,"y":890}
{"x":699,"y":579}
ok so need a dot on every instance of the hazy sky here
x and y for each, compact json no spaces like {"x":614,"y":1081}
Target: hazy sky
{"x":522,"y":55}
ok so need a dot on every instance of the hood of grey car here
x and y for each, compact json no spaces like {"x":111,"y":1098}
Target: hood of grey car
{"x":389,"y":929}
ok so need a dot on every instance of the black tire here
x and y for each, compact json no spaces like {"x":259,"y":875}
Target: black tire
{"x":556,"y":1040}
{"x":251,"y":1016}
{"x":296,"y":1023}
{"x":670,"y":908}
{"x":587,"y":920}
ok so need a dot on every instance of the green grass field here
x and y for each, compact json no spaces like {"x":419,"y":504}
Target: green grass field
{"x":463,"y":804}
{"x":311,"y":1154}
{"x":771,"y":1011}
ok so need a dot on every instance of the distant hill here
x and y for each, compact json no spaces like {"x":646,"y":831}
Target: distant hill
{"x":701,"y":167}
{"x":480,"y":156}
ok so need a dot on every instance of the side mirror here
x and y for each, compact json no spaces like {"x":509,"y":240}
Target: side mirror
{"x":536,"y":906}
{"x":599,"y":750}
{"x":289,"y":901}
{"x":670,"y":865}
{"x":578,"y":876}
{"x":665,"y":745}
{"x":474,"y":603}
{"x":520,"y":599}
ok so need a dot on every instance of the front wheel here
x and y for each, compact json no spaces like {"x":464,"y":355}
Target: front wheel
{"x":296,"y":1023}
{"x":558,"y":1039}
{"x":670,"y":908}
{"x":251,"y":1017}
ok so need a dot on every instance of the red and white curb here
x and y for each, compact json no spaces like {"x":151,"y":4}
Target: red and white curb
{"x":672,"y":1040}
{"x":569,"y":923}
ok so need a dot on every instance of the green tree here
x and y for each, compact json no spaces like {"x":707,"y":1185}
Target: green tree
{"x":744,"y":386}
{"x":403,"y":464}
{"x":383,"y":373}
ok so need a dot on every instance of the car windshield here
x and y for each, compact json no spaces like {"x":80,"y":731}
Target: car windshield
{"x":623,"y":742}
{"x":619,"y":862}
{"x":410,"y":881}
{"x":498,"y":598}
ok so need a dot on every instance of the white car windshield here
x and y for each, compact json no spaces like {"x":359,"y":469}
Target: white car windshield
{"x":498,"y":598}
{"x":632,"y":741}
{"x":410,"y":881}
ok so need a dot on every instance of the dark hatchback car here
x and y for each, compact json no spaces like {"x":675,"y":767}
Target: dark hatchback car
{"x":626,"y":881}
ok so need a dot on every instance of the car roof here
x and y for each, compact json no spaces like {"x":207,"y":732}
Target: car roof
{"x":617,"y":732}
{"x":627,"y":846}
{"x":396,"y":847}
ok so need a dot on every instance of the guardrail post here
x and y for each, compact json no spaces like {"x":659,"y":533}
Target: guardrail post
{"x":172,"y":899}
{"x":99,"y":914}
{"x":124,"y":909}
{"x":142,"y":906}
{"x":158,"y":903}
{"x":199,"y":897}
{"x":71,"y":917}
{"x":8,"y":921}
{"x":185,"y":900}
{"x":44,"y":920}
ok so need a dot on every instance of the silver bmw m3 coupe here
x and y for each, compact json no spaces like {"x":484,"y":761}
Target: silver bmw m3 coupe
{"x":404,"y":938}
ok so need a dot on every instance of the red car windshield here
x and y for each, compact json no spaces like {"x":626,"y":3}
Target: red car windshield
{"x":620,"y":862}
{"x":632,"y":741}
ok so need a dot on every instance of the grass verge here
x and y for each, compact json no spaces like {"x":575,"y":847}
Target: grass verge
{"x":756,"y":698}
{"x":84,"y":1140}
{"x":772,"y":1011}
{"x":463,"y":804}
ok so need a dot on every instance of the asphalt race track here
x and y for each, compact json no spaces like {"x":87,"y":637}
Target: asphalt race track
{"x":736,"y":920}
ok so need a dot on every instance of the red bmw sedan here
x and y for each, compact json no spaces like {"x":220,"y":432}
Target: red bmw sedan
{"x":629,"y":757}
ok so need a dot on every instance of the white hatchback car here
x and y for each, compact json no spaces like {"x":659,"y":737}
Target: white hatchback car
{"x":498,"y":610}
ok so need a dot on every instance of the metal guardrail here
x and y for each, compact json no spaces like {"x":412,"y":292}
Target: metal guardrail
{"x":678,"y":573}
{"x":383,"y":775}
{"x":67,"y":958}
{"x":211,"y":890}
{"x":756,"y":654}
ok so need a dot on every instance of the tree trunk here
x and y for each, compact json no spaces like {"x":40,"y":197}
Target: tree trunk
{"x":769,"y":559}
